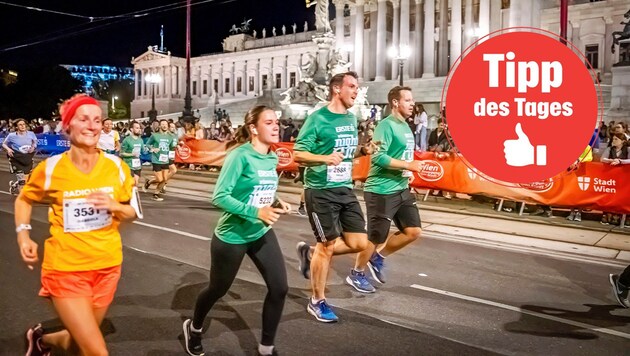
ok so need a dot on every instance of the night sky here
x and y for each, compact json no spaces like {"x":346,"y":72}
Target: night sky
{"x":115,"y":41}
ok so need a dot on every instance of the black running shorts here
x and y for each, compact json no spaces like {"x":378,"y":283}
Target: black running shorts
{"x":136,"y":172}
{"x":21,"y":162}
{"x":332,"y":212}
{"x":157,"y":167}
{"x":383,"y":208}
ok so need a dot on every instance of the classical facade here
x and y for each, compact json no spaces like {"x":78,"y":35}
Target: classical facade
{"x":273,"y":57}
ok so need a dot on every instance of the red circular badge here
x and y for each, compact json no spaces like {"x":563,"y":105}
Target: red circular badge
{"x":522,"y":107}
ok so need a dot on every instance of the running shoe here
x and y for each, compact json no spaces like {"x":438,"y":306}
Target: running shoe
{"x":163,"y":191}
{"x":301,"y":210}
{"x":156,"y":197}
{"x":192,"y":340}
{"x":376,"y":264}
{"x":13,"y":189}
{"x":146,"y":185}
{"x":359,"y":282}
{"x":34,"y":343}
{"x":571,"y":216}
{"x":305,"y":261}
{"x":578,"y":216}
{"x":620,"y":292}
{"x":321,"y":311}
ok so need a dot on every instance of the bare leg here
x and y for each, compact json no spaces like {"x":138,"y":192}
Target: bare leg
{"x":320,"y":264}
{"x":351,"y":242}
{"x":399,"y":240}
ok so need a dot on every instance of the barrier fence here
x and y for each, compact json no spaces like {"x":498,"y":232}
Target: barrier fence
{"x":593,"y":185}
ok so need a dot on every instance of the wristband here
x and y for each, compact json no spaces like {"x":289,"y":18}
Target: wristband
{"x":23,"y":227}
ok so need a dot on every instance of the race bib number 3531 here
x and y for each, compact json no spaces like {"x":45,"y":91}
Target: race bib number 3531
{"x":81,"y":216}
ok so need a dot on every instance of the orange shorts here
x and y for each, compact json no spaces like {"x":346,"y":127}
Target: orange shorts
{"x":100,"y":285}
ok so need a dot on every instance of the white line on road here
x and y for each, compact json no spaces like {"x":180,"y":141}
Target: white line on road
{"x":194,"y":236}
{"x":523,"y":311}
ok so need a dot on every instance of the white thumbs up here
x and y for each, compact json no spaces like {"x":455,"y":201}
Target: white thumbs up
{"x":520,"y":152}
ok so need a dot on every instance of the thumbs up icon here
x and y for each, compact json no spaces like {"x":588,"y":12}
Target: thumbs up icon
{"x":520,"y":152}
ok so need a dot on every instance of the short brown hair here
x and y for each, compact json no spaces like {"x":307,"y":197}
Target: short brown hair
{"x":394,"y":93}
{"x":337,"y":80}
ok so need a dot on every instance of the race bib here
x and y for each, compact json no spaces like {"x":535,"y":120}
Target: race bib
{"x":81,"y":216}
{"x":163,"y":158}
{"x":407,"y":173}
{"x":25,"y":148}
{"x":340,"y":173}
{"x":171,"y":154}
{"x":262,"y":198}
{"x":135,"y":163}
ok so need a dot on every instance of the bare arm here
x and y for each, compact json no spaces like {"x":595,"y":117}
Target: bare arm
{"x":28,"y":247}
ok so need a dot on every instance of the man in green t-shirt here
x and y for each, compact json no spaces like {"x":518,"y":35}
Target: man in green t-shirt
{"x":159,"y":144}
{"x":326,"y":146}
{"x":131,"y":149}
{"x":386,"y":192}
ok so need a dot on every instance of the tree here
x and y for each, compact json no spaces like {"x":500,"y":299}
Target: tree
{"x":121,"y":88}
{"x":38,"y":92}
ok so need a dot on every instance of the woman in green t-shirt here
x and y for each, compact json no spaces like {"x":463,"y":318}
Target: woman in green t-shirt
{"x":246,"y":192}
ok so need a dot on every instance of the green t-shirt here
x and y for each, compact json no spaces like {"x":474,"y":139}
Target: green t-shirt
{"x":248,"y":181}
{"x":171,"y":151}
{"x":135,"y":146}
{"x":397,"y":142}
{"x":163,"y":141}
{"x":322,"y":134}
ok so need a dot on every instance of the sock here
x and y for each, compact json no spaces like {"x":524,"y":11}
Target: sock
{"x":378,"y":253}
{"x":192,"y":328}
{"x":356,"y":270}
{"x":315,"y":301}
{"x":265,"y":350}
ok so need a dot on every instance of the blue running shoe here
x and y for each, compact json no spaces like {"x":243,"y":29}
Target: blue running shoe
{"x":376,"y":264}
{"x":303,"y":249}
{"x":358,"y":281}
{"x":321,"y":311}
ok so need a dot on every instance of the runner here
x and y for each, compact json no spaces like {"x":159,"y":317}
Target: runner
{"x":89,"y":192}
{"x":386,"y":192}
{"x":326,"y":146}
{"x":245,"y":191}
{"x":132,"y":148}
{"x":20,"y":146}
{"x":159,"y":144}
{"x":172,"y":168}
{"x":109,"y":142}
{"x":621,"y":287}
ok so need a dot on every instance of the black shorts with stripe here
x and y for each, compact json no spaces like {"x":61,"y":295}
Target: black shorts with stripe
{"x":332,"y":212}
{"x":399,"y":207}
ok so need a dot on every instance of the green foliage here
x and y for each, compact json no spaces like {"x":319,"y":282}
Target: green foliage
{"x":123,"y":89}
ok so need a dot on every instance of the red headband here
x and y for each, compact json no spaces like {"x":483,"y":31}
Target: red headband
{"x":70,"y":108}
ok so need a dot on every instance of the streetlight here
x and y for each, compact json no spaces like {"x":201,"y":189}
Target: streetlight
{"x":114,"y":98}
{"x":400,"y":53}
{"x":153,"y":78}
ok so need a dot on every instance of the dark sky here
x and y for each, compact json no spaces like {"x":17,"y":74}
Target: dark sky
{"x":114,"y":42}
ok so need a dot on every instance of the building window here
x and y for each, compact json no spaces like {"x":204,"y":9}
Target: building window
{"x":141,"y":113}
{"x":194,"y":87}
{"x":239,"y":84}
{"x":205,"y":87}
{"x":278,"y":80}
{"x":592,"y":55}
{"x":215,"y":86}
{"x":251,"y":83}
{"x":292,"y":80}
{"x":264,"y":81}
{"x":227,"y":85}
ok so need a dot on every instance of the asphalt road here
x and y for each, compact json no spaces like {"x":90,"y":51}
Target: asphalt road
{"x":444,"y":296}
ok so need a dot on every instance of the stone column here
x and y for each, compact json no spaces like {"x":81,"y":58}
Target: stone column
{"x":339,"y":23}
{"x":359,"y":30}
{"x":469,"y":23}
{"x":456,"y":30}
{"x":221,"y":81}
{"x":484,"y":17}
{"x":395,"y":35}
{"x":371,"y":71}
{"x":429,"y":41}
{"x":495,"y":15}
{"x":381,"y":52}
{"x":526,"y":12}
{"x":136,"y":74}
{"x":233,"y":79}
{"x":443,"y":39}
{"x":404,"y":34}
{"x":515,"y":14}
{"x":145,"y":84}
{"x":608,"y":56}
{"x":210,"y":81}
{"x":257,"y":79}
{"x":417,"y":48}
{"x":285,"y":73}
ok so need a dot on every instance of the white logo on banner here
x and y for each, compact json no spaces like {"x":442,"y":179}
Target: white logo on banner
{"x":584,"y":183}
{"x":471,"y":174}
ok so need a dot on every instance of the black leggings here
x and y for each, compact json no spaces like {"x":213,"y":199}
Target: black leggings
{"x":624,"y":278}
{"x":225,"y":262}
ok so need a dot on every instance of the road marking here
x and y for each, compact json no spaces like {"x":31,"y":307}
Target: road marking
{"x":523,"y":311}
{"x":183,"y":233}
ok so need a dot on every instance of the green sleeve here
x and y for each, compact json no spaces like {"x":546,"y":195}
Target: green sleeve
{"x":307,"y":137}
{"x":228,"y":178}
{"x":124,"y":147}
{"x":382,"y":133}
{"x":150,"y":141}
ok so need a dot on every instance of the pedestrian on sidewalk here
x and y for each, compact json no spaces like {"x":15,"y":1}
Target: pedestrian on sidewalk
{"x":246,"y":192}
{"x":90,"y":193}
{"x":159,"y":144}
{"x":621,"y":286}
{"x":386,"y":193}
{"x":326,"y":146}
